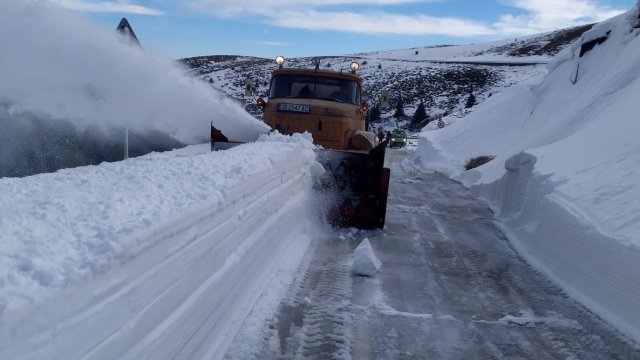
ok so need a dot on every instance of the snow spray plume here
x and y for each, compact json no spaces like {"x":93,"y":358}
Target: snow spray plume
{"x":60,"y":71}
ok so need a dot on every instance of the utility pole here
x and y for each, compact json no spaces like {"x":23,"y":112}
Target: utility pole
{"x":126,"y":143}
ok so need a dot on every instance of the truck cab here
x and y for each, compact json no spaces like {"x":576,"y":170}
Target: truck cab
{"x":326,"y":103}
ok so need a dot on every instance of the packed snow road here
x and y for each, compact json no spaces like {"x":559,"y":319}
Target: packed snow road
{"x":451,"y":287}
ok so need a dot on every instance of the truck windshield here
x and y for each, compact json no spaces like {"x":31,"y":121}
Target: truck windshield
{"x":315,"y":87}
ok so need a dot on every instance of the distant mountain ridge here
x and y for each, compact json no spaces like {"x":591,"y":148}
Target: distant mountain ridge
{"x":540,"y":46}
{"x":549,"y":44}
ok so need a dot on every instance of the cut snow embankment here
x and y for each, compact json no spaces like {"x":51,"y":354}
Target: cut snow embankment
{"x":565,"y":182}
{"x":161,"y":256}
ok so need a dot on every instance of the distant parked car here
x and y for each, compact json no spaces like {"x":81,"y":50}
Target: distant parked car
{"x":398,"y":138}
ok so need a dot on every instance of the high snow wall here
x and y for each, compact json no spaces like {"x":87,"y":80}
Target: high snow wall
{"x":565,"y":182}
{"x":110,"y":261}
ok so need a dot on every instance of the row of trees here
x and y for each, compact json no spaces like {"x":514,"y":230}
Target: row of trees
{"x":420,"y":117}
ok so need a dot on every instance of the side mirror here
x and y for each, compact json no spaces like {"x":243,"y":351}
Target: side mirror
{"x":364,"y":106}
{"x":261,"y":103}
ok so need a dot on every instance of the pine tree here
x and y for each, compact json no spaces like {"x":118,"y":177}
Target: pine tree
{"x":420,"y":117}
{"x":399,"y":109}
{"x":471,"y":101}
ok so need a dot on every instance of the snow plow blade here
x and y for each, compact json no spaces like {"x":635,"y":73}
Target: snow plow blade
{"x":356,"y":185}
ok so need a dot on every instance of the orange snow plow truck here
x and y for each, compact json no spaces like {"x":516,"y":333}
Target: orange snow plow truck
{"x":328,"y":104}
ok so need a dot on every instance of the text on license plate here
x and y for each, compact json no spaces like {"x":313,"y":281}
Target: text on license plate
{"x":293,"y":108}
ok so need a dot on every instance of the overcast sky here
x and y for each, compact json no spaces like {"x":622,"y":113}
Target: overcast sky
{"x":266,"y":28}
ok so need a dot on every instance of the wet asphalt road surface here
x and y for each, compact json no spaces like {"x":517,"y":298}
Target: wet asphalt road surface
{"x":451,"y":287}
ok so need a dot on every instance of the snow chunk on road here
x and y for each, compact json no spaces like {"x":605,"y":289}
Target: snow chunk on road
{"x":365,"y":262}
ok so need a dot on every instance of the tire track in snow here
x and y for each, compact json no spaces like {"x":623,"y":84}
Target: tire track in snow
{"x":316,"y":323}
{"x":483,"y":282}
{"x":453,"y":287}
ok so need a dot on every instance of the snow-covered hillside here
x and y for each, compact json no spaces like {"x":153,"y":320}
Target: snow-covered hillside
{"x":565,"y":181}
{"x":442,"y":77}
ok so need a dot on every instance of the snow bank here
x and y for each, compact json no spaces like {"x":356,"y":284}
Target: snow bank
{"x":63,"y":67}
{"x":158,"y":252}
{"x":565,"y":182}
{"x":365,"y":262}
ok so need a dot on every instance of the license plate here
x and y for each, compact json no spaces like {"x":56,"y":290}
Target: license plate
{"x":293,"y":108}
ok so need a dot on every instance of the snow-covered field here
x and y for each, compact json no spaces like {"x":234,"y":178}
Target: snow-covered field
{"x":565,"y":181}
